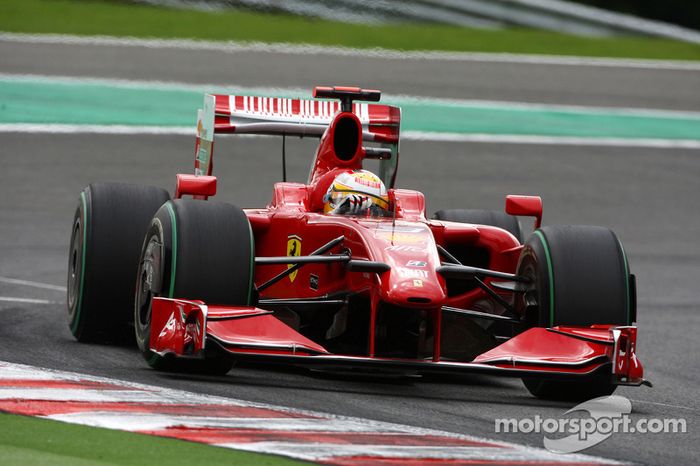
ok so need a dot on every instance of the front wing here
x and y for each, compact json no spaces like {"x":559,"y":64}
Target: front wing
{"x":182,"y":328}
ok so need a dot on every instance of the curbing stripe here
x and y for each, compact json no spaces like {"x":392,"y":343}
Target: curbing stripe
{"x":231,"y":436}
{"x":54,"y":383}
{"x":278,"y":430}
{"x":74,"y":394}
{"x":48,"y":408}
{"x":156,"y":421}
{"x":325,"y":452}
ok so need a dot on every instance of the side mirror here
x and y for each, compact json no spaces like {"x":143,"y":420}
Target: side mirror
{"x":200,"y":187}
{"x":528,"y":206}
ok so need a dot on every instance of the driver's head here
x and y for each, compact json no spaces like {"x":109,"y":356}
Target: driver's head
{"x":356,"y":192}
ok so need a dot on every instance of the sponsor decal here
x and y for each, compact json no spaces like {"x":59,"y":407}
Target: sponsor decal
{"x":293,"y":250}
{"x":399,"y":228}
{"x":406,"y":234}
{"x":403,"y":248}
{"x":414,"y":263}
{"x":412,"y":273}
{"x":396,"y":237}
{"x":202,"y":160}
{"x":367,"y":179}
{"x":313,"y":282}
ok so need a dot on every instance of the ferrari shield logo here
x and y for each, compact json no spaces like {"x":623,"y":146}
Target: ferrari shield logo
{"x":293,"y":249}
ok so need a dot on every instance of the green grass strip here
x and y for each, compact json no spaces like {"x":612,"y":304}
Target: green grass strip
{"x":95,"y":17}
{"x":32,"y":441}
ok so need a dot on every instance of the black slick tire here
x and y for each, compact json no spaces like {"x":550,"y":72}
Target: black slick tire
{"x":108,"y":228}
{"x":195,"y":250}
{"x":580,"y":276}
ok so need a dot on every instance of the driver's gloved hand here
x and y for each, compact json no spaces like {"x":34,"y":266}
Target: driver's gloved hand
{"x":353,"y":205}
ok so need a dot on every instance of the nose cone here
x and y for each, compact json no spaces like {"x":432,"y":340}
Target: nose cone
{"x":413,"y":287}
{"x":410,"y":251}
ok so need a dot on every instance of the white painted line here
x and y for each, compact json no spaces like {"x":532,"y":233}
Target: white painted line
{"x":552,"y":140}
{"x":11,"y":299}
{"x":54,"y":128}
{"x":154,"y":421}
{"x":218,"y":88}
{"x":60,"y":128}
{"x":399,"y":99}
{"x":321,"y":451}
{"x":16,"y":281}
{"x":78,"y":394}
{"x":667,"y":405}
{"x":378,"y":53}
{"x":12,"y":372}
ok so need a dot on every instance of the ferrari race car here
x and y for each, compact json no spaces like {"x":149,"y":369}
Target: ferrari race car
{"x":203,"y":284}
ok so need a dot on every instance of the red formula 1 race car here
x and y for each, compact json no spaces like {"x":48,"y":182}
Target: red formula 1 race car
{"x":346,"y":272}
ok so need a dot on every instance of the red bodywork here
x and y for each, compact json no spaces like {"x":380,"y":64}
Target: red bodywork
{"x":293,"y":224}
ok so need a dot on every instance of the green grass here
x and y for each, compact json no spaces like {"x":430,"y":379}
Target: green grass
{"x":91,"y":17}
{"x":32,"y":441}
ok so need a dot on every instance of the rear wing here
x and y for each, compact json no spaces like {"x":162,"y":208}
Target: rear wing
{"x":232,"y":114}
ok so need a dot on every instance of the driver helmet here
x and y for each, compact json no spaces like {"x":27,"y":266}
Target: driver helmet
{"x":356,"y":192}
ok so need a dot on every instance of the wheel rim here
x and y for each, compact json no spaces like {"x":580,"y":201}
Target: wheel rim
{"x":531,"y":304}
{"x":75,"y":267}
{"x":149,"y":280}
{"x":528,"y":303}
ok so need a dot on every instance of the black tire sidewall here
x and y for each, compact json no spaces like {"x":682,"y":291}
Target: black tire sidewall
{"x":161,"y":228}
{"x":533,"y":265}
{"x":77,"y":321}
{"x":582,"y":276}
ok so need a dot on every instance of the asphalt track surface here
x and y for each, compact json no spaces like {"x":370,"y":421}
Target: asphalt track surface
{"x":648,"y":196}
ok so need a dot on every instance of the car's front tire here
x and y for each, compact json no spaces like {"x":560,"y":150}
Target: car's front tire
{"x":195,"y":250}
{"x":579,"y":276}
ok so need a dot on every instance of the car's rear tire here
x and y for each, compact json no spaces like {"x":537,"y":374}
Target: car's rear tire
{"x":108,"y":228}
{"x":196,"y":250}
{"x":579,"y":276}
{"x":483,"y":217}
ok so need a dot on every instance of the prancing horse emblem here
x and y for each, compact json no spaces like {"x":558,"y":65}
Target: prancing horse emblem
{"x":293,"y":250}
